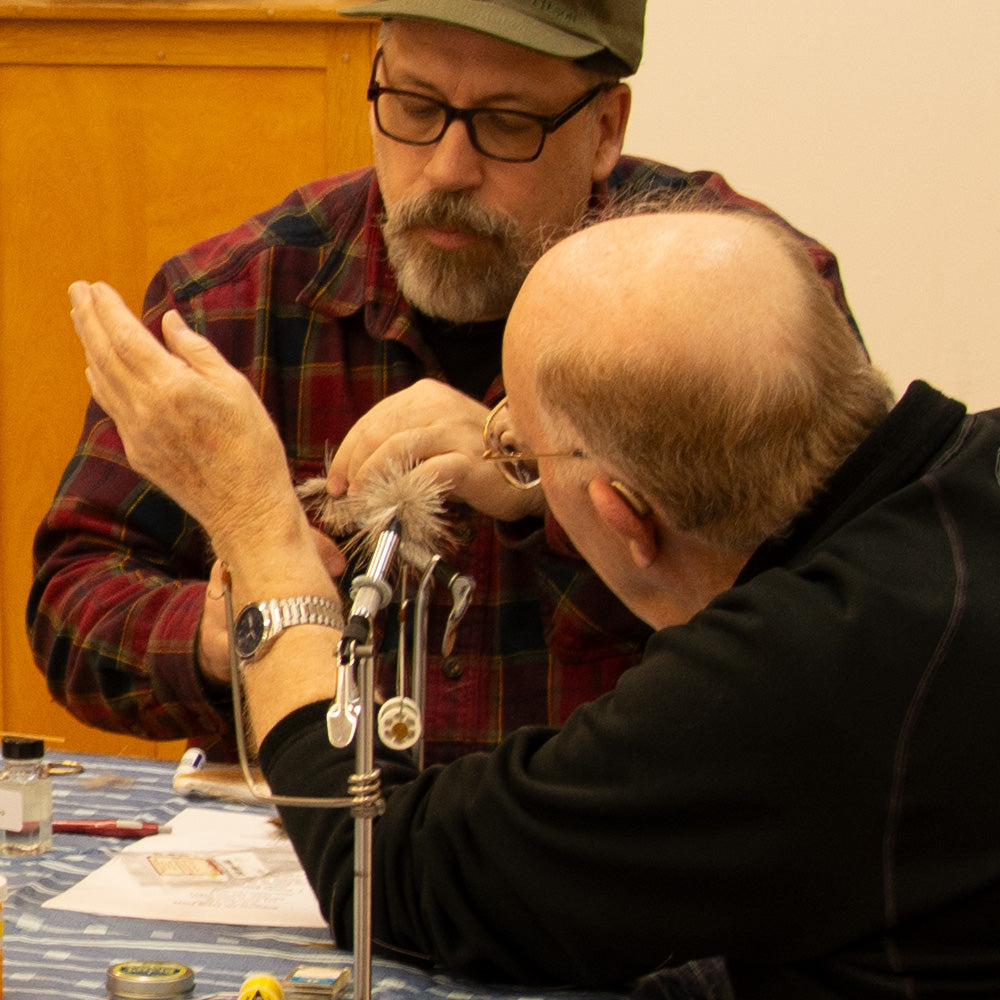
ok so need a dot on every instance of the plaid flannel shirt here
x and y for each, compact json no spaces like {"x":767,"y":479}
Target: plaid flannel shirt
{"x":301,"y":300}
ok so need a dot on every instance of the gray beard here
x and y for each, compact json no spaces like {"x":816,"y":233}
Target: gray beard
{"x":465,"y":285}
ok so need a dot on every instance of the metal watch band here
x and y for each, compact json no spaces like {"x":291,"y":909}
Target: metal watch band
{"x":291,"y":611}
{"x":262,"y":623}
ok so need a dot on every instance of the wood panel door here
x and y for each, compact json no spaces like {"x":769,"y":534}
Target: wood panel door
{"x":128,"y":132}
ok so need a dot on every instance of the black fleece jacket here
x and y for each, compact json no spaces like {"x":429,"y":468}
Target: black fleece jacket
{"x":804,"y":779}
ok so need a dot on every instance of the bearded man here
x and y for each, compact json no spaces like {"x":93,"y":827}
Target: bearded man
{"x":367,"y":311}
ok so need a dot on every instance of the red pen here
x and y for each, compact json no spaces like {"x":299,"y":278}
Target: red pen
{"x":125,"y":829}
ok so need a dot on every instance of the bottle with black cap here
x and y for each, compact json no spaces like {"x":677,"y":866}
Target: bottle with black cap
{"x":25,"y":797}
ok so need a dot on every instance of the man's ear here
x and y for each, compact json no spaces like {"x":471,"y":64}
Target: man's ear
{"x":613,"y":118}
{"x":638,"y":531}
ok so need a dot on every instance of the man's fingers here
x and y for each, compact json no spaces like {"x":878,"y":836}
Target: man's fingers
{"x":130,"y":341}
{"x":193,"y":349}
{"x":102,"y":362}
{"x":329,"y":552}
{"x":213,"y":634}
{"x":84,"y":321}
{"x":112,"y":337}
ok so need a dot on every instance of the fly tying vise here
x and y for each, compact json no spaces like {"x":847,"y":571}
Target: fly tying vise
{"x":398,"y":524}
{"x":400,"y":517}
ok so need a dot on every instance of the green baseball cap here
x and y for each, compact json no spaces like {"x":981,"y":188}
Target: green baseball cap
{"x":571,"y":29}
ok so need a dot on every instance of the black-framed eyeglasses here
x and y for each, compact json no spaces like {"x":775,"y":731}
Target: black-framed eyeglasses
{"x":499,"y":133}
{"x":519,"y":468}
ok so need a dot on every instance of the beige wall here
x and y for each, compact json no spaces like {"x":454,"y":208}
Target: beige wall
{"x":873,"y":125}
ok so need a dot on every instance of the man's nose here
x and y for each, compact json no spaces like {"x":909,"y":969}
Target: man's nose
{"x":455,"y":164}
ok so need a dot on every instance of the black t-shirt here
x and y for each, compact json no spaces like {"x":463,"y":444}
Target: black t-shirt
{"x":469,"y":353}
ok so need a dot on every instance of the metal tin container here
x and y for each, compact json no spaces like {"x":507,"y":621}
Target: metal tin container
{"x":142,"y":978}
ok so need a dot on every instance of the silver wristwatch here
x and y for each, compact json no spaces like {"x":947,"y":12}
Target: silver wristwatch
{"x":258,"y":625}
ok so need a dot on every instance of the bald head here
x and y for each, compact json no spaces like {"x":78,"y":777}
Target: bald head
{"x":680,"y":283}
{"x":700,"y":356}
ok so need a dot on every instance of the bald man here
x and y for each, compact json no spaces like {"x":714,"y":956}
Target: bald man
{"x":801,"y":774}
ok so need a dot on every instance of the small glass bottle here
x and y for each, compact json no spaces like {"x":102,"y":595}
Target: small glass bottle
{"x":25,"y":798}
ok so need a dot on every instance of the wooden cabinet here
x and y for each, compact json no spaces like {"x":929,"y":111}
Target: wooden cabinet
{"x":129,"y":130}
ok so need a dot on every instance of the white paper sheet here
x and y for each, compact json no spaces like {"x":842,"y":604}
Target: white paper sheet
{"x":212,"y":867}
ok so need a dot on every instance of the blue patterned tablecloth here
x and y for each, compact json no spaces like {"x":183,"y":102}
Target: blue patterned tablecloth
{"x":57,"y":953}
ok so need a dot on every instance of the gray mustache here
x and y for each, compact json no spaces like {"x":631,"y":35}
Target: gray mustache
{"x":461,"y":213}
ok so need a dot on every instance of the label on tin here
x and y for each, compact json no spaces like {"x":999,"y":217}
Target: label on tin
{"x":140,"y":978}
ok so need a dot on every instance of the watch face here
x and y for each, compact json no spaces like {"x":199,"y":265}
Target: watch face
{"x":249,"y":631}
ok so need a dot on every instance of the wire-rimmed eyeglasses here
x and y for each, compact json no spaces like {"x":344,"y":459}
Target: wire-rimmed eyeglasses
{"x":519,"y":468}
{"x":499,"y":133}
